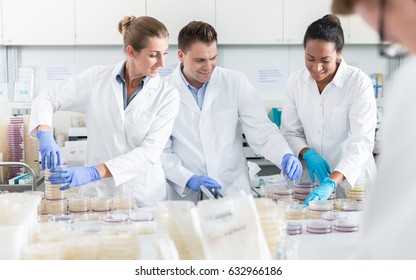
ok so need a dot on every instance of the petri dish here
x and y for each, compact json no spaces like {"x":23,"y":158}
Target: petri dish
{"x":115,"y":218}
{"x":61,"y":219}
{"x":141,"y":216}
{"x":286,"y":180}
{"x":321,"y":205}
{"x":332,"y":216}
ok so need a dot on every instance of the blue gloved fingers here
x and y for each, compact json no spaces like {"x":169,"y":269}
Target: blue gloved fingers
{"x":297,"y":172}
{"x":213,"y":183}
{"x":311,"y":175}
{"x":321,"y":174}
{"x":328,"y":168}
{"x":311,"y":196}
{"x":65,"y":187}
{"x":43,"y":161}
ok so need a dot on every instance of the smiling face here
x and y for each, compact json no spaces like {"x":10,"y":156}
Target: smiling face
{"x":321,"y":60}
{"x":199,"y":62}
{"x":148,"y":61}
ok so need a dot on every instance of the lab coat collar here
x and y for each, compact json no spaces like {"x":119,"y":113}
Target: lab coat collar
{"x":185,"y":95}
{"x":211,"y":91}
{"x":338,"y":79}
{"x":149,"y":88}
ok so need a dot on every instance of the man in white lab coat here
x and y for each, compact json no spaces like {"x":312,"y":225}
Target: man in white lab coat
{"x":217,"y":106}
{"x":388,"y":229}
{"x":130,"y":112}
{"x":329,"y":114}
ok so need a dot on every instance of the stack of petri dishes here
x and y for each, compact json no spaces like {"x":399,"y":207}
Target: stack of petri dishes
{"x":119,"y":244}
{"x":79,"y":205}
{"x":345,"y":204}
{"x":319,"y":227}
{"x":296,"y":211}
{"x":319,"y":207}
{"x":123,"y":204}
{"x":82,"y":247}
{"x":174,"y":219}
{"x":143,"y":220}
{"x":101,"y":204}
{"x":16,"y":145}
{"x":272,"y":221}
{"x":346,"y":225}
{"x":55,"y":200}
{"x":356,"y":194}
{"x":294,"y":228}
{"x":302,"y":191}
{"x":281,"y":192}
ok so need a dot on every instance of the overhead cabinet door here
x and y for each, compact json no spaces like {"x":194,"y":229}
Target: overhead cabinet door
{"x":96,"y":21}
{"x":250,"y":22}
{"x":38,"y":22}
{"x":175,"y":14}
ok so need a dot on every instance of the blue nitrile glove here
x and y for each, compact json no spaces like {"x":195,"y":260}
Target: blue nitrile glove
{"x":75,"y":176}
{"x":292,"y":166}
{"x":49,"y":150}
{"x":316,"y":165}
{"x":195,"y":182}
{"x":323,"y":191}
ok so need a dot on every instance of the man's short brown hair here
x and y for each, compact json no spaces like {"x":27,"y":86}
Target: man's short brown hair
{"x":343,"y":7}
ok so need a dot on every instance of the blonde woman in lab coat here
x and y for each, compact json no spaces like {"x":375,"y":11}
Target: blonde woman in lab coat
{"x":217,"y":106}
{"x":129,"y":111}
{"x":329,"y":114}
{"x":388,"y":227}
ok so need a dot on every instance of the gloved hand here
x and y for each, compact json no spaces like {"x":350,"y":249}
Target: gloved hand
{"x":292,"y":166}
{"x":49,"y":150}
{"x":195,"y":182}
{"x":75,"y":176}
{"x":316,"y":165}
{"x":323,"y":191}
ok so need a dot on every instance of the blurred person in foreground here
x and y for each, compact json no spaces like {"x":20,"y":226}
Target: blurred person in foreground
{"x":388,"y":228}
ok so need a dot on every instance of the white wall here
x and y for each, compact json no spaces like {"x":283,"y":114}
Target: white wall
{"x":247,"y":59}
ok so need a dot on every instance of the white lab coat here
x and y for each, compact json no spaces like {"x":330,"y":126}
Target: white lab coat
{"x":209,"y":141}
{"x":388,"y":228}
{"x":338,"y":124}
{"x":128,"y":141}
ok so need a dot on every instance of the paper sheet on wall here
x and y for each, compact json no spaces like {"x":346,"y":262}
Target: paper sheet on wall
{"x":25,"y":86}
{"x":163,"y":72}
{"x":58,"y":73}
{"x":272,"y":77}
{"x":4,"y":92}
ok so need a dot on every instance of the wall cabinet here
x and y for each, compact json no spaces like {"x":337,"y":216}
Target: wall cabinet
{"x":96,"y":21}
{"x":297,"y":19}
{"x":1,"y":26}
{"x":360,"y":32}
{"x":247,"y":22}
{"x":175,"y":14}
{"x":40,"y":22}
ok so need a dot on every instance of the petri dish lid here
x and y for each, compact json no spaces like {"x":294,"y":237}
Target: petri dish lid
{"x":141,"y":216}
{"x":319,"y":225}
{"x":294,"y":226}
{"x":61,"y":218}
{"x":286,"y":180}
{"x":116,"y":218}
